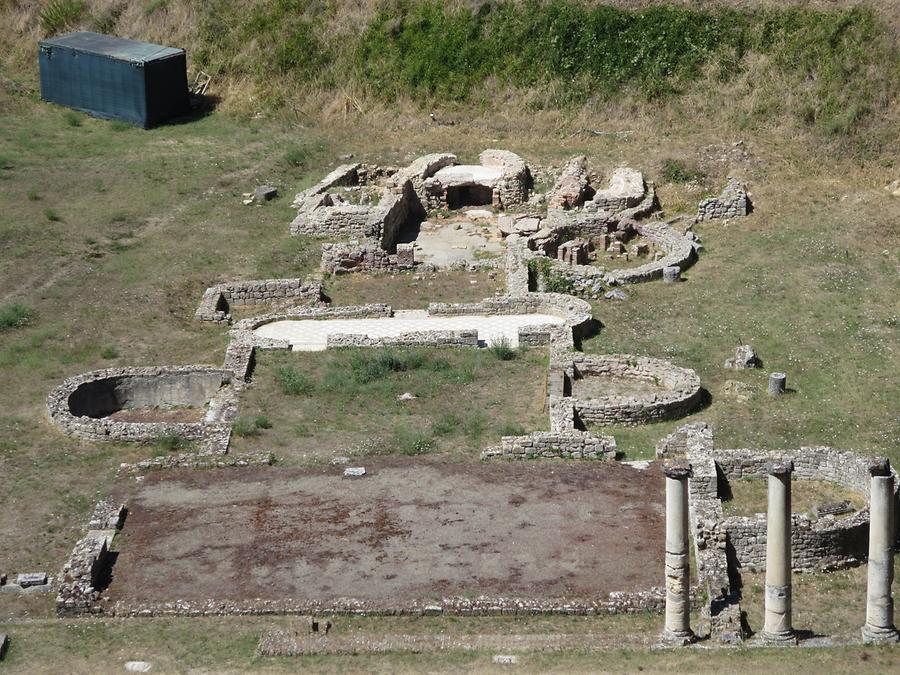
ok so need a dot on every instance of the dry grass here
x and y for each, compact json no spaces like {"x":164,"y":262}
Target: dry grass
{"x":749,"y":496}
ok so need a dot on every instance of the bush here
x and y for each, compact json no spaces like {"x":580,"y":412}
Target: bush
{"x":512,"y":429}
{"x":262,"y":422}
{"x":73,"y":119}
{"x":173,"y":442}
{"x":368,"y":366}
{"x":502,"y":350}
{"x":51,"y":215}
{"x":412,"y":442}
{"x":244,"y":427}
{"x":675,"y":171}
{"x":109,"y":353}
{"x":32,"y":195}
{"x":293,"y":382}
{"x":446,"y":425}
{"x":58,"y":15}
{"x":15,"y":316}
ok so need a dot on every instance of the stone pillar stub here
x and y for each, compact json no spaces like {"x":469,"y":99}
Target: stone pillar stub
{"x":879,"y":626}
{"x":677,"y":630}
{"x":778,"y":628}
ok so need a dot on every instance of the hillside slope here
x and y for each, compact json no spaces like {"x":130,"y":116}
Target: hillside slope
{"x":831,"y":69}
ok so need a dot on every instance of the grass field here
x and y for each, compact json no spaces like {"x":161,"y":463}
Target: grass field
{"x":110,"y":235}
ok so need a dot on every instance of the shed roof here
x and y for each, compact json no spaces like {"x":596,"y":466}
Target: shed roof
{"x":112,"y":46}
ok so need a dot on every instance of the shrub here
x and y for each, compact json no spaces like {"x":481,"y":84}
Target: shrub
{"x":262,"y":422}
{"x":173,"y":442}
{"x":15,"y":316}
{"x":58,"y":15}
{"x":412,"y":442}
{"x":244,"y":427}
{"x":73,"y":119}
{"x":109,"y":353}
{"x":51,"y":215}
{"x":512,"y":429}
{"x":32,"y":195}
{"x":675,"y":171}
{"x":368,"y":366}
{"x":446,"y":425}
{"x":296,"y":157}
{"x":5,"y":163}
{"x":293,"y":382}
{"x":502,"y":350}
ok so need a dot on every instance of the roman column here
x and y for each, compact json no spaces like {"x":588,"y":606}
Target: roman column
{"x":879,"y":626}
{"x":778,"y":628}
{"x":677,"y":629}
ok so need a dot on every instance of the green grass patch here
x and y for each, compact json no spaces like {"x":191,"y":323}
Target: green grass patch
{"x":59,"y":15}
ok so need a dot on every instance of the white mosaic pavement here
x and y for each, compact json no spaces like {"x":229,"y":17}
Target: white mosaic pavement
{"x":312,"y":336}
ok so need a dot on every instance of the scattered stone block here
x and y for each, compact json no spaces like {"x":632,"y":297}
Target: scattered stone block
{"x":263,"y":193}
{"x":406,"y":256}
{"x":480,"y":214}
{"x":406,"y":396}
{"x":744,"y":357}
{"x":671,"y":274}
{"x":528,"y":224}
{"x":340,"y":460}
{"x":616,"y":247}
{"x":354,"y":472}
{"x":833,"y":508}
{"x":137,"y":667}
{"x":616,"y":294}
{"x":504,"y":659}
{"x":28,"y":579}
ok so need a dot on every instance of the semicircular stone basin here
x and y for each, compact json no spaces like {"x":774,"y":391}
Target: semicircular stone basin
{"x":313,"y":334}
{"x":164,"y":391}
{"x":137,"y":404}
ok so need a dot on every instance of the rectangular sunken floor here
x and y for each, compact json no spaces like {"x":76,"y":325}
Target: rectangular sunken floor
{"x":410,"y":531}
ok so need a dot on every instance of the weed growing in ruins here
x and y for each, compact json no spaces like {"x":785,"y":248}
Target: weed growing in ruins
{"x":262,"y":422}
{"x":32,"y":195}
{"x":502,"y":349}
{"x":15,"y":316}
{"x":245,"y":427}
{"x":293,"y":382}
{"x":512,"y":429}
{"x":369,"y":366}
{"x":173,"y":442}
{"x":676,"y":171}
{"x":51,"y":215}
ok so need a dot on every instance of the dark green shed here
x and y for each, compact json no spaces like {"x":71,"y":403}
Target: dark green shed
{"x":115,"y":78}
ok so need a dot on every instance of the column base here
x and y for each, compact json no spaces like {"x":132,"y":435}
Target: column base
{"x":786,"y":638}
{"x":875,"y":634}
{"x":680,"y":638}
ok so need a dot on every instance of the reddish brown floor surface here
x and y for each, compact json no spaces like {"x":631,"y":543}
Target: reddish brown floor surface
{"x":410,"y":530}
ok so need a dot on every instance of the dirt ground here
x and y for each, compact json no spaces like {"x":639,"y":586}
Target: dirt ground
{"x":410,"y":530}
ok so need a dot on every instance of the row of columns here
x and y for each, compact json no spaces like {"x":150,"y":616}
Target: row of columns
{"x":778,"y":629}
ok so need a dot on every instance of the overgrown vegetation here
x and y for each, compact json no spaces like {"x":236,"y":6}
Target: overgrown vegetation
{"x":292,"y":381}
{"x":15,"y":316}
{"x":502,"y":350}
{"x":677,"y":171}
{"x":59,"y":15}
{"x":173,"y":442}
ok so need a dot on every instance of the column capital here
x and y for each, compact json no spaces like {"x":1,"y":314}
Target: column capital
{"x":678,"y":470}
{"x":780,"y":467}
{"x":879,"y":466}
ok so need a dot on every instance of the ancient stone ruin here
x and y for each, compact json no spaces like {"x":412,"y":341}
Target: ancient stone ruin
{"x":732,"y":203}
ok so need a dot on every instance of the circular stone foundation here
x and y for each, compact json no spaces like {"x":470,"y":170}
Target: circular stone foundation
{"x":631,"y":390}
{"x":137,"y":404}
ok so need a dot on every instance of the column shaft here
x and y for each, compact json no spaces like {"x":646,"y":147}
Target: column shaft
{"x":778,"y":625}
{"x":879,"y":601}
{"x":678,"y":607}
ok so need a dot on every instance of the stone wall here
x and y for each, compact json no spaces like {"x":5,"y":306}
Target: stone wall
{"x":217,"y":300}
{"x":547,"y":444}
{"x":572,"y":186}
{"x":87,"y":571}
{"x":679,"y":395}
{"x":732,"y":203}
{"x":346,"y":174}
{"x":431,"y":338}
{"x":366,"y":256}
{"x":512,"y":187}
{"x":825,"y":543}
